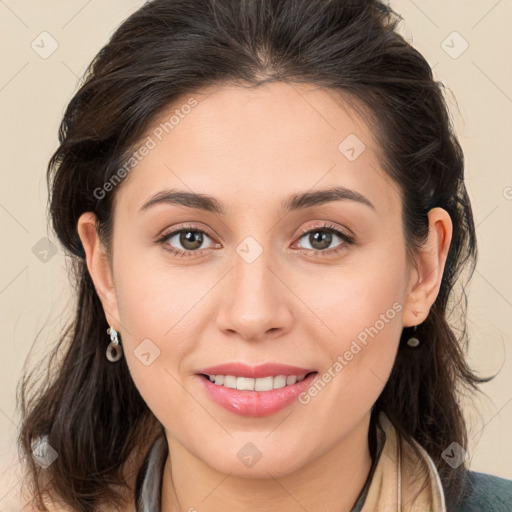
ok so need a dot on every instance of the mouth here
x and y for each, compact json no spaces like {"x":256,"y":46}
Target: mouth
{"x":255,"y":396}
{"x":267,"y":383}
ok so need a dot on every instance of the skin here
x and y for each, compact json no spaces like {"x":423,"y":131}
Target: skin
{"x":251,"y":149}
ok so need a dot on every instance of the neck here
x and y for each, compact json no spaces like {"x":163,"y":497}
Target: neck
{"x":331,"y":482}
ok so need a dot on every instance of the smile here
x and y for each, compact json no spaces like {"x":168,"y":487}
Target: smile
{"x":258,"y":384}
{"x":256,"y":397}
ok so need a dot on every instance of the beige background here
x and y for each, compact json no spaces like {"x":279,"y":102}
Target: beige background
{"x":35,"y":90}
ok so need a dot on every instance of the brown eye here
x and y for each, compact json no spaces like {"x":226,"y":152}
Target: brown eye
{"x":185,"y":241}
{"x":321,"y":238}
{"x":190,"y":240}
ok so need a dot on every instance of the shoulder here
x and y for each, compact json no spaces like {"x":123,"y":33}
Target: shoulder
{"x":483,"y":492}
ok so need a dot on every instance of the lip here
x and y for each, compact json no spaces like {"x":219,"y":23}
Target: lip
{"x":255,"y":403}
{"x":254,"y":372}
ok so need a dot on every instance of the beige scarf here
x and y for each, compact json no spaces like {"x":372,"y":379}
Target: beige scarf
{"x":399,"y":476}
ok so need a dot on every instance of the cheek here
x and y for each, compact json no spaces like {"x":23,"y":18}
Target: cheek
{"x":360,"y":308}
{"x":156,"y":299}
{"x":163,"y":313}
{"x":365,"y":290}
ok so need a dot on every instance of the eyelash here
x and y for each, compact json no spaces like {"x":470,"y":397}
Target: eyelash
{"x":347,"y":240}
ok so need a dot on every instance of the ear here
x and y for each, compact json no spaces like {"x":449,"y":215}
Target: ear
{"x":99,"y":267}
{"x":426,"y":275}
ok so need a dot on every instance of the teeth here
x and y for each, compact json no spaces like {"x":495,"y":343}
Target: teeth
{"x":260,"y":384}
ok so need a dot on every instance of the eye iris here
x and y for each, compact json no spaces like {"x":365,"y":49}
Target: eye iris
{"x":324,"y":239}
{"x":191,"y":237}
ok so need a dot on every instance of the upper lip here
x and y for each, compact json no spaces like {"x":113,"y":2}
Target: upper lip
{"x":264,"y":370}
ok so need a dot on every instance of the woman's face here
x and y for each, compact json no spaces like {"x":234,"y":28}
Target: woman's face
{"x":249,"y":285}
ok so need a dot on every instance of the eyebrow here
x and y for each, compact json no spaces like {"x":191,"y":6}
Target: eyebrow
{"x":298,"y":201}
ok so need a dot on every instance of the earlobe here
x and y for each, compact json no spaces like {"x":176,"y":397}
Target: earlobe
{"x":426,"y":277}
{"x":99,"y":267}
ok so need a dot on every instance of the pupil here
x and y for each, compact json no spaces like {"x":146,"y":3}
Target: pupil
{"x":191,"y":239}
{"x":324,"y":239}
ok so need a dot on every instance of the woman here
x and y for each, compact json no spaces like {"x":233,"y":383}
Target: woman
{"x":265,"y":207}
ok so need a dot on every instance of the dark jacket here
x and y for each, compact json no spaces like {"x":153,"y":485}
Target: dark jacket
{"x":484,"y":493}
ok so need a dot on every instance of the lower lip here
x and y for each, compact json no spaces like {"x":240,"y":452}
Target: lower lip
{"x":255,"y":403}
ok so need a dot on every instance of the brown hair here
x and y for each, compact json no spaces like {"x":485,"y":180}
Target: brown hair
{"x":89,"y":408}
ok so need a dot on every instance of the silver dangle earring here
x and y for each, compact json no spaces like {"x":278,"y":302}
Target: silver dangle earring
{"x":114,"y":349}
{"x":413,"y":341}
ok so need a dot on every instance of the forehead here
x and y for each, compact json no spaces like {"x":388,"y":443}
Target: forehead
{"x":259,"y":143}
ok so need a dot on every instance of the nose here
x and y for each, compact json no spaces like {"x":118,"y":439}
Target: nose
{"x":256,"y":302}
